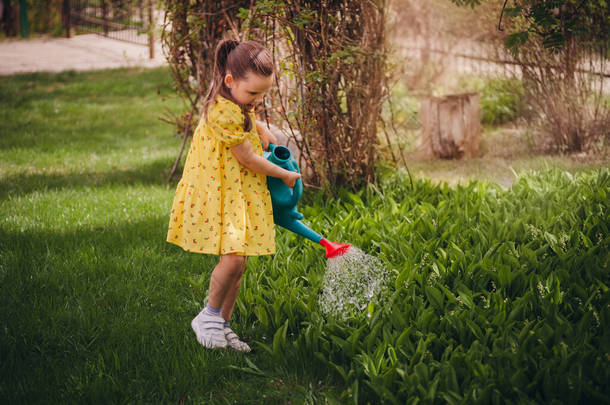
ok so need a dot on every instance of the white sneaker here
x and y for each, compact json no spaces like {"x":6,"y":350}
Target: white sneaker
{"x":209,"y":330}
{"x":234,"y":342}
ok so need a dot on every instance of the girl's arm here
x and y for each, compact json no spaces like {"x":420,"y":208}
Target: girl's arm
{"x":265,"y":134}
{"x":246,"y":157}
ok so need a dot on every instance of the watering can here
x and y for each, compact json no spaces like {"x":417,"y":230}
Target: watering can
{"x":284,"y":201}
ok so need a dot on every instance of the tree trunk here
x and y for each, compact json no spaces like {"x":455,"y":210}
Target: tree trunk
{"x":451,"y":126}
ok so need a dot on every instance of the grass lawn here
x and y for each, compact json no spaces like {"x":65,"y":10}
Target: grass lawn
{"x":504,"y":153}
{"x":96,"y":306}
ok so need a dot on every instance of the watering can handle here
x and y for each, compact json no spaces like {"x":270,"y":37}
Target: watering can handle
{"x":297,"y":190}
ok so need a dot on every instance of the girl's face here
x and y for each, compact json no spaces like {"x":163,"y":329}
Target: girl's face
{"x":250,"y":90}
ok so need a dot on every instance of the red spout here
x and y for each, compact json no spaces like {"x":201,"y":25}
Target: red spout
{"x":334,"y":249}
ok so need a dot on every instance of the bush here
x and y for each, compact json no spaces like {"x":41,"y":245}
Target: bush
{"x":45,"y":16}
{"x":501,"y":99}
{"x":399,"y":127}
{"x":498,"y":296}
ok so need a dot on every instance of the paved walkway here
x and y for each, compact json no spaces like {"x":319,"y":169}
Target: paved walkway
{"x":82,"y":52}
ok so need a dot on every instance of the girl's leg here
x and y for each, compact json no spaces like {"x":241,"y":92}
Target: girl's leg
{"x":209,"y":327}
{"x":227,"y":272}
{"x":229,"y":302}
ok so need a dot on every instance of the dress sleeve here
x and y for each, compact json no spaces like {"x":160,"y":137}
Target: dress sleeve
{"x":226,"y":122}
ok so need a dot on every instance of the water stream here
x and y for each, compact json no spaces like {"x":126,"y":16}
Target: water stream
{"x":351,"y":282}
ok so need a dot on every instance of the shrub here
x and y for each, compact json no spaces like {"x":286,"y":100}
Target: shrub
{"x":502,"y":99}
{"x":566,"y":97}
{"x":333,"y":61}
{"x":497,"y":296}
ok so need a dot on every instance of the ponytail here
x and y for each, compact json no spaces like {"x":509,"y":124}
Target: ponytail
{"x":244,"y":57}
{"x":223,"y":50}
{"x":221,"y":56}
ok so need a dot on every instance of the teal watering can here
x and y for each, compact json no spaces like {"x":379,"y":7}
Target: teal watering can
{"x":284,"y":201}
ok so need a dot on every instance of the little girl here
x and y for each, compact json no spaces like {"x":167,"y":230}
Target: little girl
{"x":222,"y":205}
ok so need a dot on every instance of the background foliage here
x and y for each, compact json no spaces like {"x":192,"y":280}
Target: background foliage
{"x":561,"y":48}
{"x":44,"y":17}
{"x":556,"y":22}
{"x":335,"y":53}
{"x":330,"y":59}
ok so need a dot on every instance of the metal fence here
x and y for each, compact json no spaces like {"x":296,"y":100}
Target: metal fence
{"x":478,"y":58}
{"x":123,"y":20}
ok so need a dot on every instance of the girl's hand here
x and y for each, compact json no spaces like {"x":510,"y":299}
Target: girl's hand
{"x":265,"y":135}
{"x":290,"y":178}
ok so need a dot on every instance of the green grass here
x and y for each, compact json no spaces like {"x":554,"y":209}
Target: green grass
{"x":498,"y":294}
{"x":76,"y":129}
{"x":504,"y":156}
{"x":96,"y":306}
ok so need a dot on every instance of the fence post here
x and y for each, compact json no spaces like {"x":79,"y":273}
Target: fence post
{"x":151,"y":30}
{"x":23,"y":19}
{"x":105,"y":16}
{"x":66,"y":10}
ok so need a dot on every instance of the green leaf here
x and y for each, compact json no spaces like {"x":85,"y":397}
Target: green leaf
{"x":372,"y":336}
{"x":513,"y":11}
{"x":355,"y":199}
{"x":515,"y":40}
{"x":421,"y":370}
{"x":384,"y":392}
{"x":435,"y":297}
{"x":343,"y":344}
{"x":261,"y":314}
{"x":279,"y":339}
{"x":340,"y":370}
{"x":431,"y":395}
{"x":403,"y":337}
{"x":447,"y":293}
{"x":251,"y":369}
{"x":243,"y":13}
{"x":465,"y":295}
{"x":402,"y":278}
{"x":265,"y":347}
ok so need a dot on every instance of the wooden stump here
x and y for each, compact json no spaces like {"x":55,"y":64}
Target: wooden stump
{"x":451,"y":126}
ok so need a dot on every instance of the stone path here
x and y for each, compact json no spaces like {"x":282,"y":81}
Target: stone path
{"x":82,"y":52}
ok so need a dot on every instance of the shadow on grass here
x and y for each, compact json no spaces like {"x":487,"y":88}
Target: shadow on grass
{"x":102,"y":316}
{"x":154,"y":172}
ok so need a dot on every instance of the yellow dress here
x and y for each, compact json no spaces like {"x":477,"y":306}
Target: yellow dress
{"x":221,"y":207}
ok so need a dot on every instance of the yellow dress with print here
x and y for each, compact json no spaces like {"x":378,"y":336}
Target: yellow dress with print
{"x":220,"y":206}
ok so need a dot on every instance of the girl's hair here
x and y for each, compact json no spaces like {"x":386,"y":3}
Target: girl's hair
{"x":238,"y":58}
